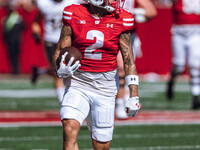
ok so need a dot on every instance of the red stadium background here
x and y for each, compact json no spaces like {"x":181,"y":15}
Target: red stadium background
{"x":154,"y":35}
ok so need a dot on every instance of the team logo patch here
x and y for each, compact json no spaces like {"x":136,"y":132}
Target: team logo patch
{"x":81,"y":22}
{"x":97,"y":22}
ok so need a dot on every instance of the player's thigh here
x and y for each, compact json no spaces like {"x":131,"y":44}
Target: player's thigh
{"x":74,"y":105}
{"x":179,"y":51}
{"x":194,"y":51}
{"x":101,"y":118}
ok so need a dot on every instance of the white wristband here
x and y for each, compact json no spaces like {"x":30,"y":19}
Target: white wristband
{"x":132,"y":79}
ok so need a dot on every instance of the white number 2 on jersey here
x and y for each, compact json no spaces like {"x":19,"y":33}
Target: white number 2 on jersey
{"x":191,"y":6}
{"x":90,"y":50}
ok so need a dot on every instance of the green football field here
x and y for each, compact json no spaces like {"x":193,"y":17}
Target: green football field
{"x":17,"y":94}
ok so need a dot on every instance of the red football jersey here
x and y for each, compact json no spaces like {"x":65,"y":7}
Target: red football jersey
{"x":186,"y":12}
{"x":97,"y":39}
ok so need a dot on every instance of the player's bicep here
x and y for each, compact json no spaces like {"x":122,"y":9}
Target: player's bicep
{"x":126,"y":45}
{"x":64,"y":41}
{"x":65,"y":37}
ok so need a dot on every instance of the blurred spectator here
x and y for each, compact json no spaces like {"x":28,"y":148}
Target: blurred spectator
{"x":12,"y":30}
{"x":143,"y":10}
{"x":185,"y":42}
{"x":32,"y":50}
{"x":4,"y":60}
{"x":51,"y":12}
{"x":162,"y":3}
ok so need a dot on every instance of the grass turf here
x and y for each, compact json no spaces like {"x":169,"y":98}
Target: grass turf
{"x":130,"y":137}
{"x":152,"y":137}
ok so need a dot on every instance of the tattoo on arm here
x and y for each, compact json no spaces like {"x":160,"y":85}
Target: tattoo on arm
{"x":125,"y":44}
{"x":127,"y":53}
{"x":64,"y":41}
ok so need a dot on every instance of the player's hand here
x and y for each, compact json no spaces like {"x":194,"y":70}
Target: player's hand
{"x":132,"y":106}
{"x":66,"y":70}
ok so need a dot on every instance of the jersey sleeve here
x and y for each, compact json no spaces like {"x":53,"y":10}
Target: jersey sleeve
{"x":67,"y":15}
{"x":128,"y":21}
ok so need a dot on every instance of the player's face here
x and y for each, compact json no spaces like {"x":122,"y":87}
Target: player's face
{"x":108,"y":5}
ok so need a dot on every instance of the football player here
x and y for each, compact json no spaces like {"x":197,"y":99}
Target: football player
{"x":98,"y":29}
{"x":143,"y":10}
{"x":185,"y":42}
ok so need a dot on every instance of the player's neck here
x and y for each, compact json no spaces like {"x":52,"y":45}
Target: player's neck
{"x":97,"y":12}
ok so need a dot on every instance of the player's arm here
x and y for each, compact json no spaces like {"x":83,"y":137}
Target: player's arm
{"x":149,"y":8}
{"x":64,"y":41}
{"x":36,"y":28}
{"x":132,"y":104}
{"x":64,"y":70}
{"x":128,"y":59}
{"x":144,"y":11}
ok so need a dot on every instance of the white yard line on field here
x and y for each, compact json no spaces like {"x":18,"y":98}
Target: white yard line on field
{"x":145,"y":90}
{"x":28,"y":93}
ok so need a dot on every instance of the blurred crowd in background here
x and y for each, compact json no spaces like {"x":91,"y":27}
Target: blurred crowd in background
{"x":20,"y":47}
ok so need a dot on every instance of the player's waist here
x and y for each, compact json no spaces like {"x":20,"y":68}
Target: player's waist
{"x":95,"y":76}
{"x":98,"y":66}
{"x":104,"y":83}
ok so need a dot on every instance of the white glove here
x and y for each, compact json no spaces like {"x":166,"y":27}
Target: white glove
{"x":64,"y":70}
{"x":132,"y":106}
